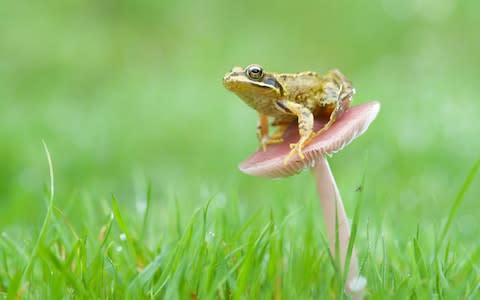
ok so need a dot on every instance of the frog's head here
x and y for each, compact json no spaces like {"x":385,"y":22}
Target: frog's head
{"x":253,"y":84}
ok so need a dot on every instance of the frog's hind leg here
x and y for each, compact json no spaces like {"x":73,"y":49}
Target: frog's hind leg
{"x":305,"y":125}
{"x":277,"y":135}
{"x":339,"y":109}
{"x":337,"y":90}
{"x":262,"y":130}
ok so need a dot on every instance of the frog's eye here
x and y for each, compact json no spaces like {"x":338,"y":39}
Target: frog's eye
{"x":254,"y":72}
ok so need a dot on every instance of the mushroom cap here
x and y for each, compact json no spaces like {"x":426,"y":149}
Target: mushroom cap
{"x":350,"y":125}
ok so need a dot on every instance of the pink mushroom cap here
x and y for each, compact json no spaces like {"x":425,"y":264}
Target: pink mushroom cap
{"x":270,"y":163}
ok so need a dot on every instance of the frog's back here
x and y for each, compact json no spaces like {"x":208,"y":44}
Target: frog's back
{"x":301,"y":85}
{"x":307,"y":88}
{"x":319,"y":94}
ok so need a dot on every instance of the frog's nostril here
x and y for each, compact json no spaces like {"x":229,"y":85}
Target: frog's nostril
{"x":227,"y":80}
{"x":230,"y":76}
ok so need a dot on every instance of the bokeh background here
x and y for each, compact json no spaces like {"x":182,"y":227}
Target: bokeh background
{"x":123,"y":92}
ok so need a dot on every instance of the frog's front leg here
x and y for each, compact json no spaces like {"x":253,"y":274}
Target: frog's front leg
{"x":305,"y":125}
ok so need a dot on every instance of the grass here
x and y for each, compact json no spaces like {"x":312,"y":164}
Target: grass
{"x":220,"y":254}
{"x":145,"y":144}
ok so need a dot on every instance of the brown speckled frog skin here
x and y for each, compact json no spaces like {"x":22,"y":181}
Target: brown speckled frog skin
{"x":290,"y":97}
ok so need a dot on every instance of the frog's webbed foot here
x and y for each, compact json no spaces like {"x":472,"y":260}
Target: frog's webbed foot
{"x":277,"y":135}
{"x":305,"y":126}
{"x":269,"y":140}
{"x":296,"y":148}
{"x":262,"y":132}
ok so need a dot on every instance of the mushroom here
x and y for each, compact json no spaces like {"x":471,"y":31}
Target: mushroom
{"x":270,"y":163}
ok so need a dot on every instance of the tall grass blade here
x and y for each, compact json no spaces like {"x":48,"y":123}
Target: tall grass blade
{"x":457,"y":203}
{"x":13,"y":291}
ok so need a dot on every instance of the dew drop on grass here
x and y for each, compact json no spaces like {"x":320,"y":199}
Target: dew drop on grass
{"x":123,"y":236}
{"x":119,"y":248}
{"x":141,"y":206}
{"x":357,"y":284}
{"x":209,"y":237}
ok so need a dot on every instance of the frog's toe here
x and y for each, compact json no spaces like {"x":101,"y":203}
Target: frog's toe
{"x":300,"y":153}
{"x":273,"y":141}
{"x":267,"y":141}
{"x":296,"y":149}
{"x":299,"y":150}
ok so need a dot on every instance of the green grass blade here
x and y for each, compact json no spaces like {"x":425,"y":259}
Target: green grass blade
{"x":419,"y":259}
{"x":354,"y":228}
{"x":147,"y":210}
{"x":457,"y":203}
{"x":12,"y":293}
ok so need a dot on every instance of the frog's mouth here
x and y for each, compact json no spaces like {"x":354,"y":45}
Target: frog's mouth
{"x":228,"y":79}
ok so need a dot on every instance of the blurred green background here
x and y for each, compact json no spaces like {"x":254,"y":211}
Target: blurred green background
{"x":126,"y":91}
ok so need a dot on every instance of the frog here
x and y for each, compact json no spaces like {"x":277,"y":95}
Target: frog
{"x":284,"y":98}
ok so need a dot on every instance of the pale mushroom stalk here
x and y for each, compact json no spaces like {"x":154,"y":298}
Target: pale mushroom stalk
{"x":353,"y":123}
{"x":334,"y":213}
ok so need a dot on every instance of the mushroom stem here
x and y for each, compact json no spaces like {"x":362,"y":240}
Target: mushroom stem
{"x":333,"y":206}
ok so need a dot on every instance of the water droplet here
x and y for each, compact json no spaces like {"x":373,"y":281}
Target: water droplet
{"x":123,"y":236}
{"x":210,"y":236}
{"x":306,"y":166}
{"x":357,"y":284}
{"x":141,"y":205}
